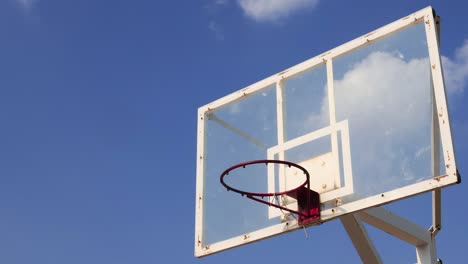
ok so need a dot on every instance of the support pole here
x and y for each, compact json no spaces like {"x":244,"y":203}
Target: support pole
{"x":427,"y":254}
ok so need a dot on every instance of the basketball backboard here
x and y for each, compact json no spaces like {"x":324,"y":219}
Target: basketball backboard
{"x":368,"y":120}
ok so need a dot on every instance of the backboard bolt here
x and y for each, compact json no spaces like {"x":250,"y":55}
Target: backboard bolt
{"x":338,"y":202}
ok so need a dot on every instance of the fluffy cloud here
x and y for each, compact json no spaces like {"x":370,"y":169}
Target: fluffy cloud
{"x":386,"y":100}
{"x":456,"y":70}
{"x":384,"y":96}
{"x":271,"y":10}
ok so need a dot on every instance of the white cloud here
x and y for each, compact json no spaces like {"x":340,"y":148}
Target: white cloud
{"x":272,"y":10}
{"x":456,"y":70}
{"x":385,"y":99}
{"x":26,"y":5}
{"x":364,"y":91}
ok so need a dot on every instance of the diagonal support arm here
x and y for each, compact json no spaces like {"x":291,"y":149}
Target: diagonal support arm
{"x":396,"y":226}
{"x":361,"y":241}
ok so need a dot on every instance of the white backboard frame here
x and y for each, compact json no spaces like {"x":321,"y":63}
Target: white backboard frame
{"x":425,"y":16}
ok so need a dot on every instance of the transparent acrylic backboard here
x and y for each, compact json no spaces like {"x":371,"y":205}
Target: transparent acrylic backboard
{"x":368,"y":120}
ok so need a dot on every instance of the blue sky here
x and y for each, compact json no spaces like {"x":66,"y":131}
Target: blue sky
{"x":98,"y":106}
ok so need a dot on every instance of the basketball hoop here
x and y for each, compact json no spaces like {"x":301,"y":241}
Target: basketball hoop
{"x":308,"y":201}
